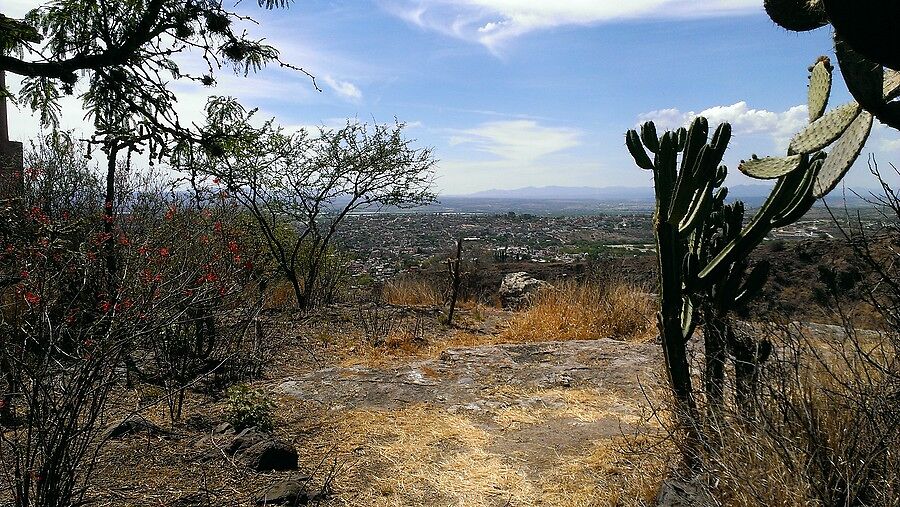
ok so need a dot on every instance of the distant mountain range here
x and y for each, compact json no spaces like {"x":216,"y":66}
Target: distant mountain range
{"x":613,"y":193}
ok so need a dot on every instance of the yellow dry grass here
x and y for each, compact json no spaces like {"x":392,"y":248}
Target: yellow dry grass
{"x":423,"y":455}
{"x":579,"y":311}
{"x":408,"y":291}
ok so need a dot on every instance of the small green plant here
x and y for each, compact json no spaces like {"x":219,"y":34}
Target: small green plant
{"x":246,"y":407}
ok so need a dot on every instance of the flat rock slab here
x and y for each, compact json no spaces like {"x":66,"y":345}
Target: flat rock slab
{"x":486,"y":378}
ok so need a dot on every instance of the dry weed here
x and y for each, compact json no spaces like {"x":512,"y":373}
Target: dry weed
{"x":579,"y":311}
{"x":407,"y":291}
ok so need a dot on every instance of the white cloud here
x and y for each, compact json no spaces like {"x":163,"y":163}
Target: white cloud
{"x":494,"y":22}
{"x":345,"y":89}
{"x":518,"y":140}
{"x":780,"y":126}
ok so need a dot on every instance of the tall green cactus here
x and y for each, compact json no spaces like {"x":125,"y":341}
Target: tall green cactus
{"x":703,"y":244}
{"x":865,"y":41}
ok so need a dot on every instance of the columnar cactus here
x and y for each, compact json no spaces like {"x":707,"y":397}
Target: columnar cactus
{"x":703,"y":244}
{"x":866,"y":43}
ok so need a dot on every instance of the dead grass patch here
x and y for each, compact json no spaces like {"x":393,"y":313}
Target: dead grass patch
{"x":407,"y":291}
{"x":424,"y":456}
{"x":579,"y":311}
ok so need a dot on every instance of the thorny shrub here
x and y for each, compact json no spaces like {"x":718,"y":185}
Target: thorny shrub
{"x":68,"y":324}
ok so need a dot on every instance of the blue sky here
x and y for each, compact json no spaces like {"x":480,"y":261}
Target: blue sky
{"x":513,"y":93}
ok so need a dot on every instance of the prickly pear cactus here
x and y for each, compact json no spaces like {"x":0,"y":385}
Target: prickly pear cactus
{"x":845,"y":129}
{"x":866,"y":42}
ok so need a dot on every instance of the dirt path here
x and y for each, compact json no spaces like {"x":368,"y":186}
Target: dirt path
{"x":523,"y":424}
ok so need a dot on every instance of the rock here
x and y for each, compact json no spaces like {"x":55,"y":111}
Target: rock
{"x":517,"y":289}
{"x":262,"y":452}
{"x":269,"y":455}
{"x":244,"y":440}
{"x":129,"y":426}
{"x":287,"y":492}
{"x":224,"y":429}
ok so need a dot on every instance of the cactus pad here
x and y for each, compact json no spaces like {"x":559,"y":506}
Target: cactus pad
{"x":796,"y":15}
{"x":825,"y":130}
{"x":864,"y":78}
{"x":891,"y":84}
{"x":770,"y":167}
{"x":819,"y":88}
{"x":843,"y":155}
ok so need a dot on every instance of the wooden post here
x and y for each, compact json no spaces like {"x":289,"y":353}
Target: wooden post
{"x":454,"y":266}
{"x":11,"y":154}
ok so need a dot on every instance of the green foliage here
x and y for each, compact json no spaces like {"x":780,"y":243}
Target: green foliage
{"x":299,"y":187}
{"x":127,"y":56}
{"x":246,"y":407}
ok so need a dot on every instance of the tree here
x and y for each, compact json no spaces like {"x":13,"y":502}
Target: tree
{"x":299,"y":187}
{"x":125,"y":53}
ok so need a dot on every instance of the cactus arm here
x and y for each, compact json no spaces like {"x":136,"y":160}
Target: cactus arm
{"x":697,"y":135}
{"x":665,"y":173}
{"x":824,"y":131}
{"x":843,"y":155}
{"x":698,"y":211}
{"x":753,"y":283}
{"x":804,"y":199}
{"x":633,"y":142}
{"x":648,"y":135}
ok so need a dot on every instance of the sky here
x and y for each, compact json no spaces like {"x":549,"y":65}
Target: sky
{"x":515,"y":93}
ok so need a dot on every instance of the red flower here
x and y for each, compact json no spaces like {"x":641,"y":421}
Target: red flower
{"x":233,"y":246}
{"x":32,"y":298}
{"x":106,"y":306}
{"x":163,"y":252}
{"x":24,"y":273}
{"x":217,"y":181}
{"x":217,"y":226}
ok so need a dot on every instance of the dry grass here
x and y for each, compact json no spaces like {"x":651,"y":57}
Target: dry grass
{"x":826,"y":427}
{"x":407,"y":291}
{"x":421,"y":455}
{"x":578,"y":311}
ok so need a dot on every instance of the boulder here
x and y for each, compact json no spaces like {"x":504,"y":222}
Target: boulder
{"x":517,"y":289}
{"x":291,"y":492}
{"x":262,"y":452}
{"x":269,"y":455}
{"x":129,"y":426}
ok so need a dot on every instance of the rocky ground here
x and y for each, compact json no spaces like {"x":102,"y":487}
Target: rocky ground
{"x":459,"y":420}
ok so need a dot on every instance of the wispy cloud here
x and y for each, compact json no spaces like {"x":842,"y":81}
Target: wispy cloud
{"x":780,"y":126}
{"x":518,"y":140}
{"x":345,"y":89}
{"x":495,"y":22}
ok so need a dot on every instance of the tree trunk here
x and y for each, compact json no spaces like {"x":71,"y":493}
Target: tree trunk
{"x":454,"y":266}
{"x":714,"y":335}
{"x":112,"y":152}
